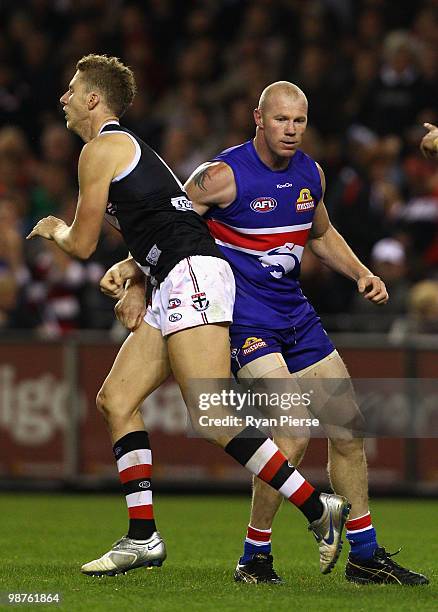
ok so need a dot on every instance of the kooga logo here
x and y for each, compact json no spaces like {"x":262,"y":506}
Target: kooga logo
{"x":263,"y":205}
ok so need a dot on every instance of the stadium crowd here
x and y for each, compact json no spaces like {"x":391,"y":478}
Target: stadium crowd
{"x":368,"y":67}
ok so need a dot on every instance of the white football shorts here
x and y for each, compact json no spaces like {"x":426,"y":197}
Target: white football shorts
{"x":199,"y":290}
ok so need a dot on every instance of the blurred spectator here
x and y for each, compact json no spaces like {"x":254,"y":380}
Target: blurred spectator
{"x":140,"y":120}
{"x":361,"y":196}
{"x":58,"y":146}
{"x":8,"y":300}
{"x":320,"y":82}
{"x":400,"y":91}
{"x":54,"y":183}
{"x":16,"y":163}
{"x":14,"y":97}
{"x":11,"y":243}
{"x":324,"y":290}
{"x":423,"y":306}
{"x":14,"y":273}
{"x":388,"y":260}
{"x":422,"y":312}
{"x":54,"y":293}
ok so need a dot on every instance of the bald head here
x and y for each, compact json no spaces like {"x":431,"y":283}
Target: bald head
{"x":281,"y":120}
{"x":277,"y":90}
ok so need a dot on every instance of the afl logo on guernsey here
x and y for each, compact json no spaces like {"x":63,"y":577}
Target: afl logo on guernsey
{"x":263,"y":205}
{"x":305,"y":201}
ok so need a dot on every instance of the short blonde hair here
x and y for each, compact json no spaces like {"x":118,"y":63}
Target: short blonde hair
{"x":111,"y":78}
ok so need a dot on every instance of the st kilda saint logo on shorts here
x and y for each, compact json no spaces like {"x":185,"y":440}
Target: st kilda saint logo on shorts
{"x":263,"y":205}
{"x":200,"y":302}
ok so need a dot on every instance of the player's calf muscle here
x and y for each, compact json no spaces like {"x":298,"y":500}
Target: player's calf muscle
{"x":293,"y":448}
{"x":349,"y":448}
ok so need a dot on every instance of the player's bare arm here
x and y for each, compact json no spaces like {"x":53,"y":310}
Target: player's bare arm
{"x":100,"y":161}
{"x":429,"y":143}
{"x":211,"y":184}
{"x":331,"y":248}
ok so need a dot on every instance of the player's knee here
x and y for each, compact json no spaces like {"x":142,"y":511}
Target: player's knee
{"x":101,"y":402}
{"x":107,"y":404}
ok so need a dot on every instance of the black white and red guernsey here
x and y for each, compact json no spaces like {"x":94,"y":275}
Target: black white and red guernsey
{"x":147,"y":203}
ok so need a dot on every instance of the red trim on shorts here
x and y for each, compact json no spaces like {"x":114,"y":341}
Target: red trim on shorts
{"x":141,"y":512}
{"x":302,"y":494}
{"x":193,"y":276}
{"x":196,"y":287}
{"x":272,"y":467}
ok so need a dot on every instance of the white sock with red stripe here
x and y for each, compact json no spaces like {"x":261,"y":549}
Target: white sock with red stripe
{"x":256,"y":541}
{"x":261,"y":456}
{"x":134,"y":462}
{"x":362,"y":536}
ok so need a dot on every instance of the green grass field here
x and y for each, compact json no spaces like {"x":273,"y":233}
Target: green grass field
{"x":45,"y":538}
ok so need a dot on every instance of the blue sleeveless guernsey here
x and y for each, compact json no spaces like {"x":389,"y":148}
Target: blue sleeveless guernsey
{"x":262,"y":234}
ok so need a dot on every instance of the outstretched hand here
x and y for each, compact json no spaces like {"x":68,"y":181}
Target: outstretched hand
{"x":45,"y":228}
{"x":373,"y":289}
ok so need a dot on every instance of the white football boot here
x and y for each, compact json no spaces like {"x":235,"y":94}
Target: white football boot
{"x":328,"y":529}
{"x":128,"y":554}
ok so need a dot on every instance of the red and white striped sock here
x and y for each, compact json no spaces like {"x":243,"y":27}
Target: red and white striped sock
{"x":361,"y":535}
{"x":261,"y":456}
{"x":134,"y":462}
{"x":258,"y":537}
{"x":359,"y":524}
{"x":256,"y":541}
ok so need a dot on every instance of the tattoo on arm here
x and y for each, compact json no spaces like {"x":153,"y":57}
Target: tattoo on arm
{"x":200,"y":177}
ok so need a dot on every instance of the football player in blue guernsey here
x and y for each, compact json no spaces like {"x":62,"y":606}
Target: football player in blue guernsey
{"x":264,"y":202}
{"x":191,"y":308}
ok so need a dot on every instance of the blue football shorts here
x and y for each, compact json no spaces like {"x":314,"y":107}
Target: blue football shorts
{"x":301,"y":345}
